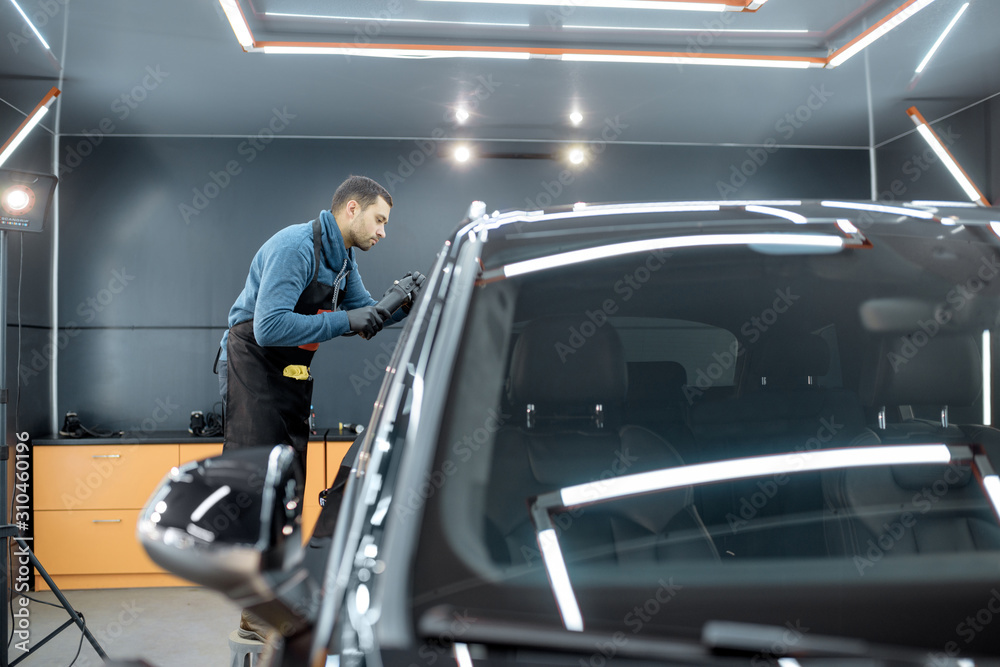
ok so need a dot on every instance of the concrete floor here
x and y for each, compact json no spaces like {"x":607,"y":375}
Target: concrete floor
{"x":167,"y":627}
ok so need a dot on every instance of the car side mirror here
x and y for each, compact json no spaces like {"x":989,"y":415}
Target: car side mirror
{"x":231,"y":523}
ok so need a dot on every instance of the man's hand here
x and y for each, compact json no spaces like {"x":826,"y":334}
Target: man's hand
{"x":418,"y":282}
{"x":367,"y":321}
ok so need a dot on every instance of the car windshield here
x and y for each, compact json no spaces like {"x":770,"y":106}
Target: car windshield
{"x":714,"y":425}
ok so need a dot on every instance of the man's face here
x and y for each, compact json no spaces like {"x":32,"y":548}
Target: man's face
{"x":368,"y":226}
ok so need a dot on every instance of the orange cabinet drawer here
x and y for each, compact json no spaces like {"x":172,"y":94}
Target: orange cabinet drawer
{"x":200,"y":451}
{"x":85,"y":477}
{"x":334,"y":455}
{"x":310,"y":514}
{"x":315,"y":473}
{"x":90,"y":542}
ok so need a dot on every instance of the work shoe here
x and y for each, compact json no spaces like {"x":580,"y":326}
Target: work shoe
{"x":253,"y":627}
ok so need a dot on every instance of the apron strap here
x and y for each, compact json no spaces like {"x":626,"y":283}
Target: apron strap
{"x":317,"y":251}
{"x":317,"y":243}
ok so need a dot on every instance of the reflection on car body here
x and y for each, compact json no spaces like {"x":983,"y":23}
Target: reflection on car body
{"x":711,"y":432}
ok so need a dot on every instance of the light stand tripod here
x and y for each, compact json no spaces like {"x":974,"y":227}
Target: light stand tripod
{"x":12,"y":531}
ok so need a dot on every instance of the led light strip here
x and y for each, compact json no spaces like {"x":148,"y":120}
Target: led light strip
{"x":615,"y":209}
{"x":239,"y":24}
{"x":782,"y":62}
{"x":30,"y":121}
{"x":31,"y":25}
{"x":992,"y":485}
{"x":987,"y":361}
{"x":797,"y":218}
{"x":669,"y":5}
{"x":386,"y":51}
{"x":757,"y":466}
{"x":708,"y":473}
{"x":383,"y":19}
{"x":462,"y":655}
{"x":877,"y":31}
{"x":552,"y":556}
{"x":588,"y":254}
{"x":879,"y":208}
{"x":524,"y":53}
{"x":940,"y":40}
{"x":949,"y":161}
{"x":723,"y":31}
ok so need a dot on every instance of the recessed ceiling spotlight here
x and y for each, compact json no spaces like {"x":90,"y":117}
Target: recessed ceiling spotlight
{"x":461,"y":115}
{"x":576,"y":156}
{"x":463,"y":153}
{"x":576,"y":118}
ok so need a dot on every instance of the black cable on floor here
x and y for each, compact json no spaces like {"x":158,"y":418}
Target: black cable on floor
{"x":79,"y":646}
{"x":51,"y":604}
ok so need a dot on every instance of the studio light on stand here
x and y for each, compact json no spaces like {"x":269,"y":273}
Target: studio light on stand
{"x":24,"y":204}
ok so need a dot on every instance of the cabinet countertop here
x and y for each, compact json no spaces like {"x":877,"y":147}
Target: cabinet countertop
{"x":174,"y":437}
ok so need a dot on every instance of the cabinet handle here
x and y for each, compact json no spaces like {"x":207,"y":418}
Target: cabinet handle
{"x":106,"y":456}
{"x":106,"y":520}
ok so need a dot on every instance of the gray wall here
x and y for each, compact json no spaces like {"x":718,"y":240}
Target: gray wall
{"x":148,"y":268}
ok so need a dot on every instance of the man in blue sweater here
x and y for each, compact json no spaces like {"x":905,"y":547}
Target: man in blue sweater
{"x":303,"y":288}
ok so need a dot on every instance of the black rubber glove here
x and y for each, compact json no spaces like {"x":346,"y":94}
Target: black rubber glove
{"x":367,"y":321}
{"x":418,"y":282}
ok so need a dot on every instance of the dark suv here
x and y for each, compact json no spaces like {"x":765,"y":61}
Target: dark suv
{"x":666,"y":433}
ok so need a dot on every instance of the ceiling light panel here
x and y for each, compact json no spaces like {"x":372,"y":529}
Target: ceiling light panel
{"x":420,"y":29}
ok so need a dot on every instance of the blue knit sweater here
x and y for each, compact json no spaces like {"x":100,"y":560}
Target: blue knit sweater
{"x":281,"y":270}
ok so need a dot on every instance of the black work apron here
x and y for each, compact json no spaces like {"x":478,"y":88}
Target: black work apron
{"x":263,"y":406}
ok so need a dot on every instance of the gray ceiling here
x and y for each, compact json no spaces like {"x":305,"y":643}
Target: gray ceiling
{"x":207,"y":85}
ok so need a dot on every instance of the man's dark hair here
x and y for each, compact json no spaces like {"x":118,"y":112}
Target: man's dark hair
{"x":361,"y":189}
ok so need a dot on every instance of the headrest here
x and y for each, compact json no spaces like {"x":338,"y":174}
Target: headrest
{"x":790,"y":362}
{"x":918,"y":477}
{"x":567,"y":360}
{"x":920,"y":370}
{"x":653,"y":382}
